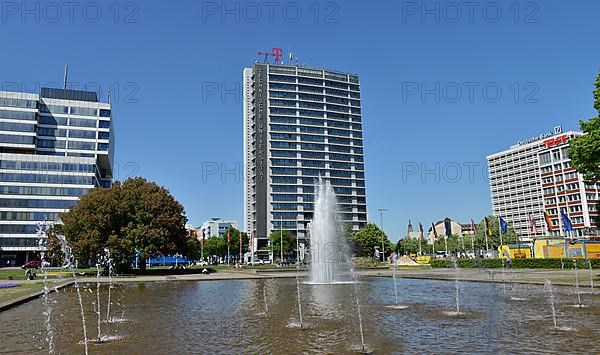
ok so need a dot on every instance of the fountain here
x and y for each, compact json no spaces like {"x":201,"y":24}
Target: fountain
{"x":396,"y":305}
{"x":298,"y":298}
{"x":578,"y":305}
{"x":552,"y":298}
{"x":325,"y":248}
{"x":456,"y":291}
{"x":42,"y":240}
{"x":591,"y":277}
{"x":70,"y":263}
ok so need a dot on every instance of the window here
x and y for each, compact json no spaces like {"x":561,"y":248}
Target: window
{"x":17,"y":127}
{"x":103,"y":135}
{"x":16,"y":139}
{"x":104,"y":113}
{"x":82,"y":122}
{"x":82,"y":145}
{"x":104,"y":124}
{"x":82,"y":134}
{"x":55,"y":121}
{"x":84,"y":111}
{"x":17,"y":115}
{"x":11,"y":102}
{"x":54,"y":109}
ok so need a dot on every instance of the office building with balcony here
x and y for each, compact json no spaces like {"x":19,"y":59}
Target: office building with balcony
{"x":300,"y":124}
{"x":536,"y":175}
{"x":54,"y":147}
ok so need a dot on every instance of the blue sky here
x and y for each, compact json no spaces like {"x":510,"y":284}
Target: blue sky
{"x":443,"y":85}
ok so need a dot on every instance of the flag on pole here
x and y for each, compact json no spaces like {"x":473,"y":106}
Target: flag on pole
{"x":421,"y":228}
{"x":503,"y":225}
{"x":488,"y":228}
{"x":548,"y":221}
{"x":533,"y":226}
{"x":435,"y":235}
{"x":448,"y":227}
{"x":568,"y":226}
{"x":228,"y":236}
{"x":473,"y":227}
{"x":203,"y":236}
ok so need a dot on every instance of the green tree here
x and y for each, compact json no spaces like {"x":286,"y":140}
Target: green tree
{"x":136,"y":215}
{"x":234,"y":243}
{"x":407,"y":246}
{"x":289,"y":242}
{"x":493,"y":240}
{"x":584,"y":151}
{"x":367,"y":238}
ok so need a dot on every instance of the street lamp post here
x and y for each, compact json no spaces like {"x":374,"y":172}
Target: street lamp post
{"x":381,"y":210}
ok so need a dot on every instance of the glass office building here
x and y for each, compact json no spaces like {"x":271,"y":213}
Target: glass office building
{"x":300,"y":123}
{"x":54,"y":147}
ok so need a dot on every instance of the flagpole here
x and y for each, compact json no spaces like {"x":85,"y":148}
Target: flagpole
{"x":202,"y":247}
{"x":500,"y":231}
{"x":487,"y":246}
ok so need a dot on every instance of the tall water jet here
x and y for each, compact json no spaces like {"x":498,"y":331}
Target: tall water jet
{"x":109,"y":263}
{"x":71,"y":264}
{"x":97,"y":303}
{"x":298,"y":298}
{"x":326,"y":249}
{"x":42,"y":234}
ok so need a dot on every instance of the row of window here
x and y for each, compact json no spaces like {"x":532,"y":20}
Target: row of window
{"x":336,"y":112}
{"x":47,"y":179}
{"x":78,"y":145}
{"x":21,"y":103}
{"x":18,"y":229}
{"x":42,"y":191}
{"x":16,"y":139}
{"x":45,"y":166}
{"x":331,"y":102}
{"x":28,"y":216}
{"x":36,"y":203}
{"x":18,"y":242}
{"x":17,"y":115}
{"x":76,"y":122}
{"x":81,"y":111}
{"x":17,"y":127}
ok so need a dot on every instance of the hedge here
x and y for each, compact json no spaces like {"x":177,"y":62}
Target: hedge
{"x":516,"y":263}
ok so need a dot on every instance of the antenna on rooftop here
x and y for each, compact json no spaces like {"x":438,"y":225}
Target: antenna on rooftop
{"x":66,"y":76}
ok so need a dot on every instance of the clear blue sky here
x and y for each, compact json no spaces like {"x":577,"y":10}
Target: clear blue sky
{"x":164,"y":59}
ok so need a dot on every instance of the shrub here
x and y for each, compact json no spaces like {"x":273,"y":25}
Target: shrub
{"x":516,"y":263}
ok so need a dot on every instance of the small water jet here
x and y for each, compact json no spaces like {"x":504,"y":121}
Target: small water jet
{"x":363,"y":347}
{"x":396,"y":305}
{"x":457,"y":291}
{"x":591,"y":277}
{"x":552,"y":298}
{"x":579,"y":304}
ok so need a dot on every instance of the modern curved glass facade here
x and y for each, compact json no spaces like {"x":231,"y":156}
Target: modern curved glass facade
{"x":54,"y":147}
{"x":300,"y":124}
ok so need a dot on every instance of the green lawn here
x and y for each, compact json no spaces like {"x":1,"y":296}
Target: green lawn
{"x":7,"y":294}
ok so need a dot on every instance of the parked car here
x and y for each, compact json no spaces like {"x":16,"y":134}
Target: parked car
{"x":33,"y":264}
{"x":257,"y":262}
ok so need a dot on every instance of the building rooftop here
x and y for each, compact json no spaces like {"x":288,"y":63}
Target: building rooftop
{"x":68,"y":94}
